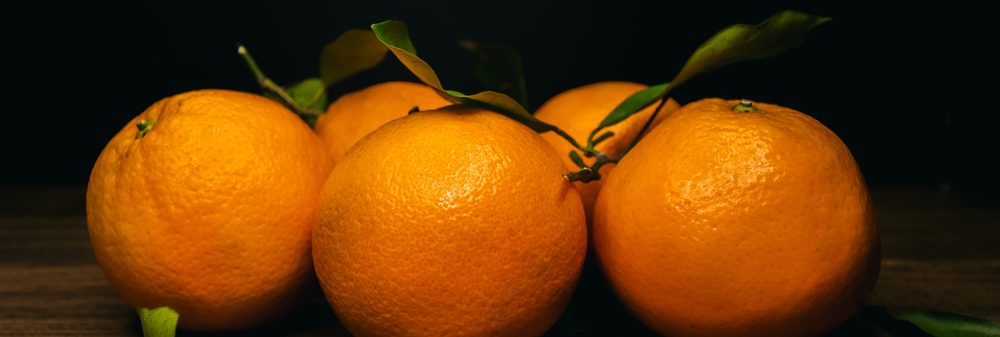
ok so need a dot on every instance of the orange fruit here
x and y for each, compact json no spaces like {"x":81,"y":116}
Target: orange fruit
{"x":455,"y":222}
{"x":210,"y":209}
{"x":577,"y":111}
{"x":738,"y":223}
{"x":357,"y":114}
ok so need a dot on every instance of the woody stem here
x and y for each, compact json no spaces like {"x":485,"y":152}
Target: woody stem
{"x":269,"y":85}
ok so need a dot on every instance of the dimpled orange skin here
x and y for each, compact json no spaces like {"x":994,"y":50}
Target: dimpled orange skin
{"x":357,"y":114}
{"x":724,"y":223}
{"x":454,"y":222}
{"x":211,"y":211}
{"x":577,"y":111}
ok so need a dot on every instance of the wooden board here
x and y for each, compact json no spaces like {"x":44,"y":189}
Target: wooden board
{"x":941,"y":251}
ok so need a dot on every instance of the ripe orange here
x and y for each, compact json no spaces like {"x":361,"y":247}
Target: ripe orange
{"x":357,"y":114}
{"x":209,"y":210}
{"x":455,"y":222}
{"x":577,"y":111}
{"x":728,"y":223}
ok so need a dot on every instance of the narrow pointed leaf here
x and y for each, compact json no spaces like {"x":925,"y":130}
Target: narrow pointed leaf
{"x":603,"y":137}
{"x":395,"y":35}
{"x":948,"y":324}
{"x":778,"y":33}
{"x":575,"y":157}
{"x":498,"y":68}
{"x":158,"y":322}
{"x":634,"y":103}
{"x":353,"y":51}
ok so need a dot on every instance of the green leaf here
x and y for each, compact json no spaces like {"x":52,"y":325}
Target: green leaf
{"x":353,"y":51}
{"x":575,"y":157}
{"x":498,"y":68}
{"x":948,"y":324}
{"x":602,"y":137}
{"x":395,"y":35}
{"x":778,"y":33}
{"x":634,"y":103}
{"x":505,"y":105}
{"x":310,"y":94}
{"x":159,"y":322}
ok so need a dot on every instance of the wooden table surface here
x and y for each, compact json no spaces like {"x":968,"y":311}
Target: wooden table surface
{"x":941,"y":250}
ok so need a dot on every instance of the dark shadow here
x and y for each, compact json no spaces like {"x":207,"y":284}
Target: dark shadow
{"x":313,"y":318}
{"x":595,"y":311}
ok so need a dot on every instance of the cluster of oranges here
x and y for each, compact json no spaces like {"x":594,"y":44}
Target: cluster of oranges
{"x":728,"y":218}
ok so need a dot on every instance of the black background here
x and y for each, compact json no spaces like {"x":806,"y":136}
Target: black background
{"x":909,"y":88}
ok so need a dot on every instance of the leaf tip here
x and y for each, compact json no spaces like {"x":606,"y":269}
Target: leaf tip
{"x":816,"y":19}
{"x":388,"y":24}
{"x":822,"y":20}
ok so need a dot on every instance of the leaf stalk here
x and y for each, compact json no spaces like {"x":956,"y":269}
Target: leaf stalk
{"x":268,"y":85}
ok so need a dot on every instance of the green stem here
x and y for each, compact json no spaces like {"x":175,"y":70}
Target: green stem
{"x":649,"y":123}
{"x":590,"y":137}
{"x":269,"y":85}
{"x":144,"y":126}
{"x":588,"y":174}
{"x":585,"y":174}
{"x":581,"y":175}
{"x":603,"y":159}
{"x":570,"y":139}
{"x":745,"y":105}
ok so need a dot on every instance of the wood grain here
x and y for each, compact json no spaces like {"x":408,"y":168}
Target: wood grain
{"x":942,"y":251}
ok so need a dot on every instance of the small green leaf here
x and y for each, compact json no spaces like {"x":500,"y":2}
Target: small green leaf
{"x":779,"y":33}
{"x":353,"y":51}
{"x":498,"y":68}
{"x":575,"y":157}
{"x":310,"y":94}
{"x":159,"y":322}
{"x":395,"y":35}
{"x":948,"y":324}
{"x":602,"y":137}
